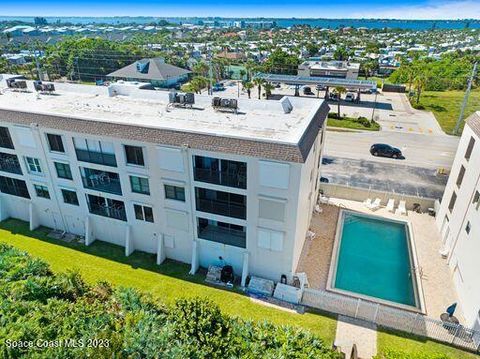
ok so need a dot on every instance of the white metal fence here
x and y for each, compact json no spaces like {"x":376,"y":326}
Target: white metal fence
{"x":393,"y":318}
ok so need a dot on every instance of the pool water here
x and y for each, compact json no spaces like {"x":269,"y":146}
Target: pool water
{"x":374,"y":259}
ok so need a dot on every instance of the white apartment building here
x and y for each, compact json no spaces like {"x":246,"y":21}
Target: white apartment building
{"x":332,"y":69}
{"x":196,"y":185}
{"x":459,"y":220}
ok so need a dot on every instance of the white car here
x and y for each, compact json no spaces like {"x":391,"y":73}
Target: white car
{"x":350,"y":97}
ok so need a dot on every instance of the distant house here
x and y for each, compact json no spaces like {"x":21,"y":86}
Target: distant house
{"x":155,"y":71}
{"x":334,"y":69}
{"x":231,"y":55}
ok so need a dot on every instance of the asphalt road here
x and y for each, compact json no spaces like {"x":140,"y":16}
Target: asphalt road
{"x":395,"y":177}
{"x":420,"y":150}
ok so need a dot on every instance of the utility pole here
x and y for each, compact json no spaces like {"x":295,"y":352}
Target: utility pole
{"x":465,"y":99}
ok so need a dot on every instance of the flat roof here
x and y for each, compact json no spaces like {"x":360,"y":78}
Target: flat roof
{"x":323,"y":81}
{"x":259,"y":128}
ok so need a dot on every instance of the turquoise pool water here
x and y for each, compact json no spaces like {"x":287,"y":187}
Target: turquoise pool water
{"x":374,"y":259}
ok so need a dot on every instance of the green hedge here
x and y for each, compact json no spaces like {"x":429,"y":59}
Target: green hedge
{"x":398,"y":354}
{"x":37,"y":306}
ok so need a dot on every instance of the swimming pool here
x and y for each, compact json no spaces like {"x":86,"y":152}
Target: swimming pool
{"x":374,"y":259}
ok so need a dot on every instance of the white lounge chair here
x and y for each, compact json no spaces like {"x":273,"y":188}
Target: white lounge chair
{"x":376,"y":204}
{"x":367,"y":203}
{"x":391,"y":205}
{"x":402,"y":208}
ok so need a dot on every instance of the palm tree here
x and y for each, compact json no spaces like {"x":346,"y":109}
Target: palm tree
{"x":257,"y":81}
{"x":339,"y":90}
{"x":268,"y":87}
{"x":242,"y":74}
{"x":248,"y":87}
{"x":420,"y":82}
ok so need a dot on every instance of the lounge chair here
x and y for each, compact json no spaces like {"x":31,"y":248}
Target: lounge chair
{"x":391,"y":205}
{"x":368,"y":203}
{"x":402,"y":208}
{"x":376,"y":204}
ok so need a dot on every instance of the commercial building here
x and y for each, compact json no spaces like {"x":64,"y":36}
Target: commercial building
{"x":196,"y":184}
{"x":333,"y":69}
{"x":459,"y":220}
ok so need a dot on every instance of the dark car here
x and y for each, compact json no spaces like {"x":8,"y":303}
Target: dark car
{"x":383,"y":150}
{"x":307,"y":91}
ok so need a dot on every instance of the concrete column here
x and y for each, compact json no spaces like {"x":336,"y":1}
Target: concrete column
{"x":195,"y":259}
{"x":245,"y":269}
{"x":3,"y":210}
{"x":160,"y":249}
{"x":129,"y":247}
{"x":33,"y":216}
{"x":89,"y":234}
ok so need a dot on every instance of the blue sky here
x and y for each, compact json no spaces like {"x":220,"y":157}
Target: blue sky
{"x":406,"y":9}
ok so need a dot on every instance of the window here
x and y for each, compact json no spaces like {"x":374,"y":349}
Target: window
{"x":14,"y":187}
{"x":55,"y":142}
{"x":134,"y":155}
{"x":476,"y":200}
{"x":468,"y":227}
{"x":270,"y":239}
{"x":106,"y":207}
{"x":94,"y":151}
{"x":140,"y":185}
{"x":143,"y":213}
{"x":453,"y":199}
{"x":5,"y":139}
{"x":63,"y":170}
{"x":461,"y":174}
{"x":174,"y":192}
{"x":70,"y":197}
{"x":33,"y":165}
{"x":271,"y":209}
{"x":221,"y":232}
{"x":469,"y":151}
{"x":41,"y":191}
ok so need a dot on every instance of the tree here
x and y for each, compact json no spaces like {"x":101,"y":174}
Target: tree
{"x":40,"y":21}
{"x":268,"y":87}
{"x":200,"y":69}
{"x":242,"y":74}
{"x":279,"y":62}
{"x":420,"y":82}
{"x":248,"y":87}
{"x":257,"y":81}
{"x":341,"y":54}
{"x":339,"y":90}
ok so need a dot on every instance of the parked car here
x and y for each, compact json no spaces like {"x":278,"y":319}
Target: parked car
{"x":333,"y":96}
{"x":350,"y":97}
{"x":383,"y":150}
{"x":307,"y":90}
{"x":320,"y":88}
{"x":324,"y":180}
{"x":218,"y":87}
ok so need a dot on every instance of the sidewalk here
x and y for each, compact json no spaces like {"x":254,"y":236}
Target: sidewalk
{"x":353,"y":331}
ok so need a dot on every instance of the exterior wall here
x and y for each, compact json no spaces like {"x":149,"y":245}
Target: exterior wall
{"x":462,"y":247}
{"x":178,"y":240}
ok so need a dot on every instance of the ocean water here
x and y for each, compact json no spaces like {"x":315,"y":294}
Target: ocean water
{"x":374,"y":259}
{"x":323,"y":23}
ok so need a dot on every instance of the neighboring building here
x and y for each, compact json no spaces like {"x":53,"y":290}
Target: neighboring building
{"x":459,"y":220}
{"x":231,"y":55}
{"x":196,"y":185}
{"x":155,"y":71}
{"x":336,"y":69}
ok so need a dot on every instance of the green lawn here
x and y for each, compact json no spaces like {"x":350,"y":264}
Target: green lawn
{"x":103,"y":261}
{"x":414,"y":347}
{"x":445,"y":105}
{"x":351,"y":124}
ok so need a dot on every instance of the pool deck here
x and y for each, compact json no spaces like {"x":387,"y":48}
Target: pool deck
{"x":437,"y":282}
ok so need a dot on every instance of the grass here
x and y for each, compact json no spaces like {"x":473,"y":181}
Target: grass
{"x":167,"y":282}
{"x":350,"y":123}
{"x":445,"y":105}
{"x":414,"y":346}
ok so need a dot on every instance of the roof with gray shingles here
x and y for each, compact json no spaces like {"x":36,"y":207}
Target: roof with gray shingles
{"x":238,"y":146}
{"x":157,"y":70}
{"x":474,"y":122}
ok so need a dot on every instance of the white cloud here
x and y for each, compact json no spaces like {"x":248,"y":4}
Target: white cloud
{"x":435,"y":10}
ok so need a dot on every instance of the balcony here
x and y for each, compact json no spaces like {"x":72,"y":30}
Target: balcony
{"x":9,"y":163}
{"x":101,"y":181}
{"x":115,"y":211}
{"x":14,"y":187}
{"x":226,"y":236}
{"x":222,"y":178}
{"x":221,"y":208}
{"x":100,"y":158}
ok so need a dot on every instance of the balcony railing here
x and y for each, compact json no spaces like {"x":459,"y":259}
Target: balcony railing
{"x":15,"y":191}
{"x":227,"y":236}
{"x":102,"y":183}
{"x":107,"y":159}
{"x":222,"y":178}
{"x":115,"y":212}
{"x":10,"y":164}
{"x":6,"y":142}
{"x":221,"y":208}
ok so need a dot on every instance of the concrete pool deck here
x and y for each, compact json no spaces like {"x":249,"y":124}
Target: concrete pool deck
{"x":438,"y":288}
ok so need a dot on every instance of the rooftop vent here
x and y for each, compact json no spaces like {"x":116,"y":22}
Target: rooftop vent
{"x":219,"y":103}
{"x":142,"y":67}
{"x":286,"y":105}
{"x":44,"y":88}
{"x":181,"y":99}
{"x":15,"y":84}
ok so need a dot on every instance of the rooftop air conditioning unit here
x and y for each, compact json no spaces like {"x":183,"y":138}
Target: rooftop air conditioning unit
{"x":286,"y":105}
{"x":182,"y":99}
{"x":41,"y":87}
{"x":219,"y":103}
{"x":16,"y":84}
